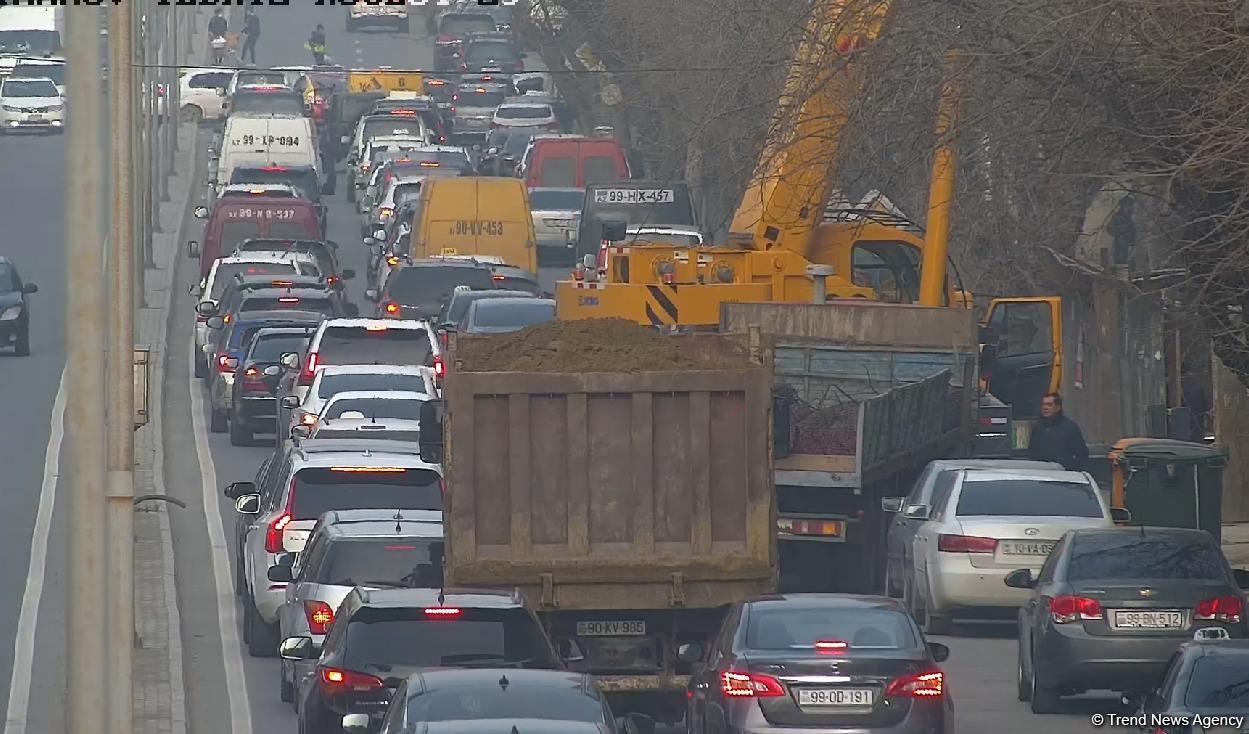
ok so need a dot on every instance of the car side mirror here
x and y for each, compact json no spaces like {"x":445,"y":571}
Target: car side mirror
{"x":29,"y":288}
{"x":192,"y":248}
{"x":216,"y":322}
{"x":347,"y":274}
{"x":206,"y":308}
{"x":1120,"y":515}
{"x":917,"y":512}
{"x":296,"y":648}
{"x":371,"y":294}
{"x":690,"y":652}
{"x":891,"y":504}
{"x":272,"y":371}
{"x":369,"y":241}
{"x":201,"y":212}
{"x":289,"y":360}
{"x":1020,"y":578}
{"x":248,"y":504}
{"x":280,"y":574}
{"x":940,"y":653}
{"x":234,"y":490}
{"x":290,"y":402}
{"x":301,"y":432}
{"x":1241,"y":577}
{"x":356,"y":723}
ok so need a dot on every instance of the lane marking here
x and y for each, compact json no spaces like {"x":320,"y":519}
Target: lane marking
{"x":27,"y":620}
{"x":227,"y":612}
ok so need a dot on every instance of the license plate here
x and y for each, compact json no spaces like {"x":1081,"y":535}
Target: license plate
{"x":848,"y":697}
{"x":1152,"y":620}
{"x":634,"y":196}
{"x":1027,"y":548}
{"x":35,"y":117}
{"x":613,"y":628}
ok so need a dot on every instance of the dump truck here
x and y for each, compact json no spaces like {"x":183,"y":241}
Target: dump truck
{"x":865,"y":394}
{"x":631,"y":501}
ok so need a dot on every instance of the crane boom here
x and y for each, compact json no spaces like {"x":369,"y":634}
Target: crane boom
{"x":784,"y":202}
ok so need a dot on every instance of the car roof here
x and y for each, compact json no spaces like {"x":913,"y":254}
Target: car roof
{"x":374,"y":455}
{"x":383,"y":524}
{"x":994,"y":464}
{"x":378,"y":395}
{"x":374,"y":427}
{"x":356,"y":323}
{"x":1146,"y":531}
{"x":451,"y":597}
{"x":32,"y":79}
{"x":475,"y":295}
{"x":312,"y":317}
{"x":1038,"y":475}
{"x":259,"y":256}
{"x":671,"y":230}
{"x":434,"y":679}
{"x":374,"y":369}
{"x":297,"y":292}
{"x":447,"y":262}
{"x":1204,"y":648}
{"x":490,"y":303}
{"x":347,"y":517}
{"x":272,"y":330}
{"x":253,"y":200}
{"x":526,"y":105}
{"x":825,"y":601}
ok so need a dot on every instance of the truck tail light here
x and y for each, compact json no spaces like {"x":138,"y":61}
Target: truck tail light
{"x":1066,"y":608}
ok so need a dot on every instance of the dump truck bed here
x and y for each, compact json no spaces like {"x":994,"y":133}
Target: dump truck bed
{"x":621,"y":490}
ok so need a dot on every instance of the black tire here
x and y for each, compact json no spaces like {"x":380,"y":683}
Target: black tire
{"x":218,"y":421}
{"x":891,"y":586}
{"x":240,"y":576}
{"x":21,"y":347}
{"x":240,"y":434}
{"x":933,"y":624}
{"x":198,"y":365}
{"x":1022,"y":684}
{"x":262,"y":638}
{"x":286,"y":689}
{"x":1043,"y":700}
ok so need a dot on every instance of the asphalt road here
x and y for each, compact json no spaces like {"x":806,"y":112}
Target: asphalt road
{"x":231,"y":692}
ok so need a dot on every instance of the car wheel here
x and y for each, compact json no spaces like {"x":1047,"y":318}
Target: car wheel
{"x":247,"y":618}
{"x":262,"y":638}
{"x":934,"y":624}
{"x":1044,"y":700}
{"x":1022,"y":684}
{"x":192,"y":114}
{"x":240,"y":435}
{"x":286,"y":689}
{"x":218,"y":421}
{"x":891,"y":585}
{"x":240,"y":580}
{"x":21,"y":347}
{"x":198,"y":364}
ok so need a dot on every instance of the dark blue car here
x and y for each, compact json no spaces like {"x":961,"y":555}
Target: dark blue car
{"x":14,"y":309}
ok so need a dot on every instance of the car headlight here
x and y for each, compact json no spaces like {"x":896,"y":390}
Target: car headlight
{"x":11,"y":313}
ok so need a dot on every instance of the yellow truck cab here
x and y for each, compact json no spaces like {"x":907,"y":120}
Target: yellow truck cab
{"x":475,"y":215}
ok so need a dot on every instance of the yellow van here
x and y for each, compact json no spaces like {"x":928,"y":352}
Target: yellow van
{"x":475,"y":215}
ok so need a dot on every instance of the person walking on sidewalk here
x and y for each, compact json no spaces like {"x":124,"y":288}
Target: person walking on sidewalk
{"x":1057,"y":438}
{"x":217,"y":29}
{"x":251,"y":33}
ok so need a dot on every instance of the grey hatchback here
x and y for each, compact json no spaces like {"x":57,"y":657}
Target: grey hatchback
{"x":1111,"y":605}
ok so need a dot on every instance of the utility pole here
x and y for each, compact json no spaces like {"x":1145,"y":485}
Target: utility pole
{"x":84,"y":343}
{"x":152,"y":43}
{"x":120,"y":392}
{"x":135,"y":133}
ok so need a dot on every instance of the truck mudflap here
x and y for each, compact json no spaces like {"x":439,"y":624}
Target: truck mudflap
{"x":642,"y":683}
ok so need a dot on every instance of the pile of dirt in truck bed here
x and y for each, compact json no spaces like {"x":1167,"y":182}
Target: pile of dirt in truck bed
{"x":595,"y":345}
{"x":831,"y":428}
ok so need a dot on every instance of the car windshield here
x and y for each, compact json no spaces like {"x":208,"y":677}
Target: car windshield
{"x":393,"y":125}
{"x":302,"y":178}
{"x":415,"y":562}
{"x":556,"y":200}
{"x":23,"y":88}
{"x":271,"y":347}
{"x":511,"y":315}
{"x":380,"y":638}
{"x":492,"y":700}
{"x":1138,"y":555}
{"x":473,"y":97}
{"x":481,"y":52}
{"x":779,"y":628}
{"x":1219,"y":682}
{"x":379,"y":345}
{"x":270,"y":103}
{"x":227,"y":271}
{"x":1027,"y":498}
{"x":55,"y":72}
{"x":381,"y":408}
{"x":428,"y":286}
{"x":282,"y":303}
{"x":523,"y":112}
{"x":331,"y":385}
{"x":260,"y":77}
{"x":460,"y":25}
{"x":321,"y":490}
{"x":8,"y":281}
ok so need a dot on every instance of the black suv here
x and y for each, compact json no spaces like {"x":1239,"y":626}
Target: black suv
{"x":14,"y":309}
{"x":381,"y":636}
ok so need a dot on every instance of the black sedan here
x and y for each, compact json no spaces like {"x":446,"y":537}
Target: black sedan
{"x":1111,"y":605}
{"x":1206,"y":683}
{"x":14,"y":309}
{"x":819,"y":662}
{"x":253,"y":397}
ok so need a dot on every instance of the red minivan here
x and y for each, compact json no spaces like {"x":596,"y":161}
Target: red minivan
{"x":235,"y":220}
{"x":569,"y":162}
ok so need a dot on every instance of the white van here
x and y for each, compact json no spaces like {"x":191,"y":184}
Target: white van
{"x":279,"y":141}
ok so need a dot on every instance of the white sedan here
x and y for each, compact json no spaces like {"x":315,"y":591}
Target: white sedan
{"x":331,"y":380}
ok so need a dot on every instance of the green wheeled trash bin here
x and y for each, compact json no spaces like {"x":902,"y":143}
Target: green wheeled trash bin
{"x":1168,"y":483}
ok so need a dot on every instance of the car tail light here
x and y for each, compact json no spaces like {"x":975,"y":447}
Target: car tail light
{"x":319,"y":616}
{"x":254,"y":381}
{"x":740,"y":684}
{"x":918,"y":685}
{"x":226,"y":364}
{"x":443,"y":612}
{"x":965,"y":544}
{"x":310,"y":369}
{"x":391,"y":308}
{"x":1228,"y":609}
{"x":335,"y":681}
{"x":273,"y":534}
{"x":1065,"y":608}
{"x":831,"y":647}
{"x":440,"y":367}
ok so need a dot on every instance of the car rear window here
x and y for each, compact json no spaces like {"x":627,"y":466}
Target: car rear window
{"x":511,"y":702}
{"x":512,"y":315}
{"x":280,"y":303}
{"x":320,"y":490}
{"x":227,"y":271}
{"x":601,"y":169}
{"x":358,"y":345}
{"x":1219,"y":682}
{"x":459,"y":25}
{"x":365,"y":430}
{"x":304,"y":179}
{"x":333,"y":384}
{"x":558,"y":172}
{"x":526,"y":112}
{"x":428,"y":286}
{"x":267,"y":103}
{"x":380,"y":408}
{"x":270,"y":348}
{"x":1027,"y":498}
{"x":460,"y":305}
{"x":393,"y":125}
{"x":798,"y":630}
{"x":409,"y":637}
{"x":415,"y":562}
{"x":1126,"y":556}
{"x":472,"y":98}
{"x":556,"y":200}
{"x":406,"y":192}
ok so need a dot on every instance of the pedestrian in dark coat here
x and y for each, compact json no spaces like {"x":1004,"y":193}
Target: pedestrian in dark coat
{"x":251,"y":32}
{"x":1057,"y":438}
